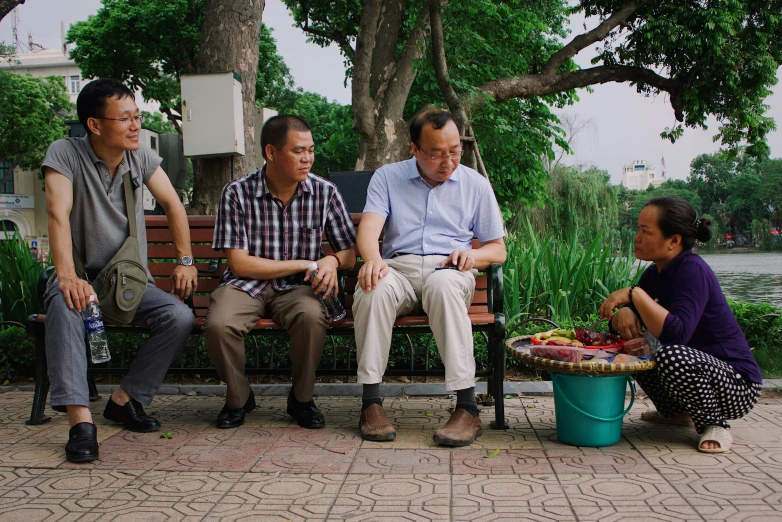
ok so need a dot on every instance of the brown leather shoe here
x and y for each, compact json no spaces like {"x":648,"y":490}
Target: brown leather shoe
{"x":460,"y":430}
{"x":374,"y":424}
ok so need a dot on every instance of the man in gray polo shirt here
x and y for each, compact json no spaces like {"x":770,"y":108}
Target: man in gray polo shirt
{"x":86,"y":207}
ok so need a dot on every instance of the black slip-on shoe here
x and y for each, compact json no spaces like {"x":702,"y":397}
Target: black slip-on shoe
{"x":131,"y":415}
{"x":307,"y":415}
{"x":82,"y":443}
{"x":234,"y":417}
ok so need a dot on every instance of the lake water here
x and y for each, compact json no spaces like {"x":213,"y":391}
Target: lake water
{"x":749,"y":277}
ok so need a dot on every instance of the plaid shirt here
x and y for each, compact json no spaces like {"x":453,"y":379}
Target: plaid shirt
{"x":251,"y":219}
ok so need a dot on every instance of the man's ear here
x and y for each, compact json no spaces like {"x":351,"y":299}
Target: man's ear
{"x":94,"y":126}
{"x":270,"y":152}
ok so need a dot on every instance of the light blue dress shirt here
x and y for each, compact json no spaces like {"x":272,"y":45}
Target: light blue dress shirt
{"x":426,"y":220}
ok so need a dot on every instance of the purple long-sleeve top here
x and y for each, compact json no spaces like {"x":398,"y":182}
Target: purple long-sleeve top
{"x":698,"y":314}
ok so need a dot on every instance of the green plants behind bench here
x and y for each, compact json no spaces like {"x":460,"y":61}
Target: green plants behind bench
{"x":19,"y":273}
{"x":764,"y":334}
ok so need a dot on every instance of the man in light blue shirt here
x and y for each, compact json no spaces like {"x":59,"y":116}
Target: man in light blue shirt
{"x":428,"y":208}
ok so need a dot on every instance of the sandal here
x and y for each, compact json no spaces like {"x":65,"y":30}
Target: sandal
{"x":654,"y":416}
{"x":716,"y":434}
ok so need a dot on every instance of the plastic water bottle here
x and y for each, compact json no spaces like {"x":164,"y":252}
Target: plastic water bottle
{"x":334,"y":309}
{"x":96,"y":333}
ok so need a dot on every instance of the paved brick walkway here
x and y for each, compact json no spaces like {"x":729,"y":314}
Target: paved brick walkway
{"x":272,"y":470}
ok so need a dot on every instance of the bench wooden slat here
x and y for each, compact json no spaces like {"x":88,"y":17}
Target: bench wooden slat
{"x":157,"y":251}
{"x":348,"y":322}
{"x":163,"y":270}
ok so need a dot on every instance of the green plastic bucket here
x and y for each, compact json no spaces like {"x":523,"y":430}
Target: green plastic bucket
{"x":590,"y":409}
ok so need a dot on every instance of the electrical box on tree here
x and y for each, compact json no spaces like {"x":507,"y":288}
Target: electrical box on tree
{"x":212,"y":115}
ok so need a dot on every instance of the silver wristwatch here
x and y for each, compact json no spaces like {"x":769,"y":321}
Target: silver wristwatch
{"x":185,"y":261}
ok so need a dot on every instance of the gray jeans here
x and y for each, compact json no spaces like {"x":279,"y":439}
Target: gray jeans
{"x":170,"y":322}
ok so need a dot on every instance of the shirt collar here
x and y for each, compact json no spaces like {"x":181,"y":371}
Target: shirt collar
{"x":263,"y":188}
{"x":412,"y":172}
{"x":123,"y":165}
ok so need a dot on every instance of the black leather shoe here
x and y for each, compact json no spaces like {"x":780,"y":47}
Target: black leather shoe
{"x":307,"y":415}
{"x":131,"y":415}
{"x":82,"y":443}
{"x":234,"y":417}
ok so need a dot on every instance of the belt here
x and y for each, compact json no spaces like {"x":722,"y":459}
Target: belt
{"x":397,"y":254}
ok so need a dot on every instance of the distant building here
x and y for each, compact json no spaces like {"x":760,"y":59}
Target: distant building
{"x":639,"y":174}
{"x":55,"y":62}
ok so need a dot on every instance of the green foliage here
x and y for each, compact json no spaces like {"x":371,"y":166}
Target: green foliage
{"x":19,"y":273}
{"x":17,"y":355}
{"x":31,"y":111}
{"x":160,"y":40}
{"x":560,"y":279}
{"x":763,"y":334}
{"x":577,"y":199}
{"x":726,"y":54}
{"x":336,"y":141}
{"x":155,"y":123}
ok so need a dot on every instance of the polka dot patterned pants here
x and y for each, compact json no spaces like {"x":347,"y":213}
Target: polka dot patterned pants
{"x":691,"y":381}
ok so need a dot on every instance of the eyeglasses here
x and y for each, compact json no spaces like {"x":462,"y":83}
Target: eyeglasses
{"x":436,"y":159}
{"x":125,"y":122}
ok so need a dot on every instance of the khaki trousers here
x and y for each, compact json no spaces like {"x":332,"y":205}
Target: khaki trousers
{"x":413,"y":285}
{"x":233,"y":313}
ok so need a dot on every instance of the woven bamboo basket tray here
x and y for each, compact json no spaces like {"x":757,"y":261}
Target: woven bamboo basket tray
{"x":516,"y":349}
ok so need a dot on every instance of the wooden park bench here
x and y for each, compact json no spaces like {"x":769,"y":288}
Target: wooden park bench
{"x":486,"y":315}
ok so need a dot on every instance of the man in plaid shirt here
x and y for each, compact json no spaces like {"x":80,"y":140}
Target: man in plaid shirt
{"x":270,"y":225}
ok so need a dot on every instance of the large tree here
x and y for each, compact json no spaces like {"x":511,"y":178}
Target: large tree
{"x":6,"y":6}
{"x":31,"y":111}
{"x":716,"y":58}
{"x":149,"y":43}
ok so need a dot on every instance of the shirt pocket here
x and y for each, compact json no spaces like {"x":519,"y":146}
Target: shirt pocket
{"x":310,"y":244}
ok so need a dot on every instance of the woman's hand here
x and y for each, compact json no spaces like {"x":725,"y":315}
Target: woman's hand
{"x":615,"y":300}
{"x":627,"y":324}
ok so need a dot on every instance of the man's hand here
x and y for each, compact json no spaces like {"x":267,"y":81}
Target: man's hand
{"x":615,"y":300}
{"x":370,"y":272}
{"x":185,"y":280}
{"x":76,"y":292}
{"x":627,"y":324}
{"x":326,"y":280}
{"x":462,"y":259}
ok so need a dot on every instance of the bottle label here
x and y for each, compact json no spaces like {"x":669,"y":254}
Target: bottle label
{"x":94,"y":325}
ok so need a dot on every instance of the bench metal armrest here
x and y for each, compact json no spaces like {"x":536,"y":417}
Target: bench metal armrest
{"x":495,"y":289}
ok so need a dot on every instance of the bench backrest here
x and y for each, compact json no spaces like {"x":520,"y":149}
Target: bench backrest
{"x":211,"y":264}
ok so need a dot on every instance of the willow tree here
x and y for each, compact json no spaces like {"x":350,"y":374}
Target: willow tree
{"x":717,"y":58}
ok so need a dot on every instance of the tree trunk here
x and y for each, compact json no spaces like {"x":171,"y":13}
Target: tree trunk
{"x":382,"y":78}
{"x":229,"y":42}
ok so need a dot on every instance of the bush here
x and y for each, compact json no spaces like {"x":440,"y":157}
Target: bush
{"x":764,"y":334}
{"x":18,"y":354}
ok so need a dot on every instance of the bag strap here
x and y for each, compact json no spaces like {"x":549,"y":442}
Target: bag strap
{"x":130,"y":208}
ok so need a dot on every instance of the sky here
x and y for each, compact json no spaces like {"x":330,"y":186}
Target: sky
{"x":624,"y":126}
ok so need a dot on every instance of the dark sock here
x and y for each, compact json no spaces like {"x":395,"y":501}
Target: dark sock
{"x":466,"y":399}
{"x":370,"y":396}
{"x":296,"y":401}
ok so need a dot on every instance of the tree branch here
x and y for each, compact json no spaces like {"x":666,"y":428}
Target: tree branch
{"x":338,"y":38}
{"x":398,"y":85}
{"x":595,"y":35}
{"x":441,"y":66}
{"x":6,"y":6}
{"x":362,"y":66}
{"x":173,"y":119}
{"x":532,"y":85}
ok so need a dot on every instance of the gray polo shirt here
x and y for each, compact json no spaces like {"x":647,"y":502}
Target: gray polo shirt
{"x":99,"y":220}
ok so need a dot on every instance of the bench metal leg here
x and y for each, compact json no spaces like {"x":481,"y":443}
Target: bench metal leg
{"x":36,"y":332}
{"x":94,"y":396}
{"x":497,"y":379}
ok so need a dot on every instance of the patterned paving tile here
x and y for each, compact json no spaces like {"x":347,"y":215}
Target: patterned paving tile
{"x":512,"y":514}
{"x":304,"y":459}
{"x":613,"y":460}
{"x":726,"y":489}
{"x":633,"y":513}
{"x":620,"y":490}
{"x":690,"y":461}
{"x":124,"y":456}
{"x":371,"y":461}
{"x":502,"y":491}
{"x":506,"y":462}
{"x":33,"y":455}
{"x":427,"y":496}
{"x":223,"y":457}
